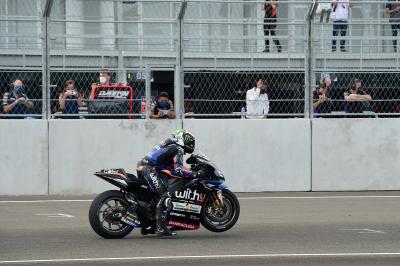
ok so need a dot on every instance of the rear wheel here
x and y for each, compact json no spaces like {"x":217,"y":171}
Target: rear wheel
{"x":220,"y":218}
{"x":105,"y":214}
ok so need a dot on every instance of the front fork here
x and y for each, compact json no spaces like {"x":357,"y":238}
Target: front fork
{"x":217,"y":198}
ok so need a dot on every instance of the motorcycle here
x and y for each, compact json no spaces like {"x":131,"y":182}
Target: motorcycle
{"x":204,"y":200}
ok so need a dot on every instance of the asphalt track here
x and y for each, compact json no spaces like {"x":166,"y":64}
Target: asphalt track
{"x":273,"y":229}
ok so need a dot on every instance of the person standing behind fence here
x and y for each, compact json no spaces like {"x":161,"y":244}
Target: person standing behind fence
{"x":257,"y":102}
{"x":393,"y":9}
{"x":322,"y":103}
{"x":70,"y":99}
{"x":340,"y":17}
{"x":270,"y":20}
{"x":16,"y":101}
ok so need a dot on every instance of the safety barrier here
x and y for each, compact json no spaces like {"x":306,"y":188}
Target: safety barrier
{"x":60,"y":156}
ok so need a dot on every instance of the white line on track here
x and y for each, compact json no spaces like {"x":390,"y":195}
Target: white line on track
{"x":217,"y":257}
{"x":240,"y":198}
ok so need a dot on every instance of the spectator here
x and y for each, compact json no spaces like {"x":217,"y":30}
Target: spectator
{"x":393,"y":9}
{"x":70,"y":100}
{"x":270,"y":19}
{"x":322,"y":102}
{"x":357,"y":99}
{"x":340,"y":16}
{"x":16,"y":101}
{"x":257,"y":102}
{"x":162,"y":108}
{"x":105,"y":77}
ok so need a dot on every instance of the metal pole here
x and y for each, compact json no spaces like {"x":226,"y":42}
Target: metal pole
{"x":178,"y":88}
{"x":178,"y":95}
{"x":309,"y":79}
{"x":148,"y":91}
{"x":46,"y":106}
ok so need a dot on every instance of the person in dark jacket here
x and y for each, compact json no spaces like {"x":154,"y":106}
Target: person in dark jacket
{"x":270,"y":19}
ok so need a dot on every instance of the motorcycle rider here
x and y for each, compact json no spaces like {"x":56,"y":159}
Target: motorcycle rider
{"x":167,"y":156}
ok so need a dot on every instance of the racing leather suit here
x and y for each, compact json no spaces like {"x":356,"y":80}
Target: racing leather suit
{"x":168,"y":156}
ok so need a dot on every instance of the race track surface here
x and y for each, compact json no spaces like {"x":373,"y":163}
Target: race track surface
{"x":274,"y":229}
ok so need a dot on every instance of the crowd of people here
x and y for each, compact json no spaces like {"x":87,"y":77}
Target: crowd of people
{"x":71,"y":101}
{"x":356,"y":99}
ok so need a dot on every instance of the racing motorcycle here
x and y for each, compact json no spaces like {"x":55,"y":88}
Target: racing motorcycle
{"x":204,"y":200}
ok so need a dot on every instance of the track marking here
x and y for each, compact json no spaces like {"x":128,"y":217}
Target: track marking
{"x":55,"y":215}
{"x":319,"y":197}
{"x":217,"y":257}
{"x":240,"y":198}
{"x":365,"y":231}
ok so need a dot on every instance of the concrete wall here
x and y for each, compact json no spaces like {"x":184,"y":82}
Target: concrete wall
{"x":60,"y":156}
{"x":356,"y":154}
{"x":23,"y":157}
{"x":81,"y":147}
{"x":258,"y":155}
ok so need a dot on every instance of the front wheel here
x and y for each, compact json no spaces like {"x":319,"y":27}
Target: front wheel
{"x":105,"y":214}
{"x":220,"y":218}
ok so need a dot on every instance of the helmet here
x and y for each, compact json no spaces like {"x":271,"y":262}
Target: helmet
{"x":188,"y":139}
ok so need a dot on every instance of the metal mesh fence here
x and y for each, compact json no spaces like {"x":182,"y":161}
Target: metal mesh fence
{"x":359,"y":94}
{"x":87,"y":97}
{"x":223,"y":48}
{"x":213,"y":93}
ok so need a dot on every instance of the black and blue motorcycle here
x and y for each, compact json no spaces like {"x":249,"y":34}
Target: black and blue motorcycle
{"x":205,"y":201}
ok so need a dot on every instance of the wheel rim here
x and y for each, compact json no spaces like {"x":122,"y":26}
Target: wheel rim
{"x":220,"y":216}
{"x":109,"y":214}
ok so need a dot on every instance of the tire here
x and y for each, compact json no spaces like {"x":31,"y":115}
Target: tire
{"x":207,"y":223}
{"x":94,"y":215}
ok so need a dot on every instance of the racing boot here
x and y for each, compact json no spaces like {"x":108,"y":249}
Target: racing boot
{"x":163,"y":207}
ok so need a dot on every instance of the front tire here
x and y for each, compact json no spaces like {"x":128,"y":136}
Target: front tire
{"x":104,"y":215}
{"x":222,"y":218}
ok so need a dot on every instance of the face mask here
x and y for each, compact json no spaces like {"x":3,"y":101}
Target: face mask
{"x":103,"y":80}
{"x":164,"y":104}
{"x":19,"y":91}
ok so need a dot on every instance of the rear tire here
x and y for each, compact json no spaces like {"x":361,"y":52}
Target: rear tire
{"x":230,"y":202}
{"x":96,"y":215}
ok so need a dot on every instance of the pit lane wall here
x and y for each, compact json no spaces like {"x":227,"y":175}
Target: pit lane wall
{"x":60,"y":156}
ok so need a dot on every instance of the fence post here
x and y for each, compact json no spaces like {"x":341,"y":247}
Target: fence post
{"x":309,"y":63}
{"x":148,"y":91}
{"x":179,"y":93}
{"x":46,"y":106}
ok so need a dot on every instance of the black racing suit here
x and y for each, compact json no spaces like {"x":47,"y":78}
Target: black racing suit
{"x":167,"y":156}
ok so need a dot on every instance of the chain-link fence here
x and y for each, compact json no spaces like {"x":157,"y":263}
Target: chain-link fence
{"x":62,"y":50}
{"x":227,"y":93}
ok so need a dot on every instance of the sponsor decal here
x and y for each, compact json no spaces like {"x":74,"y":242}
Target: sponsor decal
{"x":114,"y":94}
{"x":186,"y":206}
{"x":177,"y":214}
{"x":183,"y":225}
{"x":188,"y":194}
{"x":110,"y":171}
{"x":194,"y":217}
{"x":155,"y":180}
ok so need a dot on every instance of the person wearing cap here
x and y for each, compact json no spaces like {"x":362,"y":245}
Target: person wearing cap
{"x":162,"y":108}
{"x":16,"y":101}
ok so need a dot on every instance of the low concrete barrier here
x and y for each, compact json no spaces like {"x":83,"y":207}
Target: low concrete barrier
{"x":78,"y":148}
{"x":23,"y":157}
{"x":60,"y":156}
{"x":355,"y":154}
{"x":258,"y":155}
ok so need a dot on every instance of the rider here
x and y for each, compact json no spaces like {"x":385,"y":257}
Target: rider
{"x":168,"y":155}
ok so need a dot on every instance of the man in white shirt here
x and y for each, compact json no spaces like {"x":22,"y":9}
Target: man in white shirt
{"x":340,"y":16}
{"x":257,"y":101}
